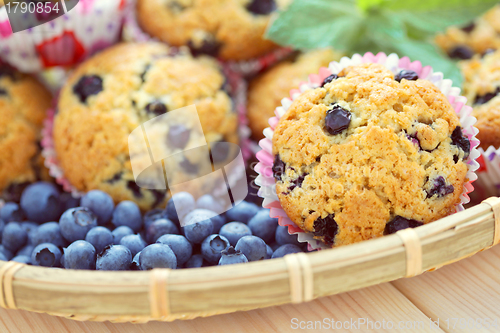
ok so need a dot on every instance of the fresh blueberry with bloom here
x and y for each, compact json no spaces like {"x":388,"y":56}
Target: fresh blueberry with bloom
{"x":76,"y":222}
{"x":127,"y":213}
{"x":99,"y":237}
{"x":21,"y":259}
{"x":198,"y":225}
{"x":283,"y":250}
{"x":121,"y":232}
{"x":179,"y":206}
{"x":283,"y":237}
{"x":2,"y":225}
{"x":269,"y":252}
{"x":208,"y":202}
{"x":114,"y":258}
{"x":153,"y":215}
{"x":263,"y":226}
{"x":196,"y":261}
{"x":252,"y":247}
{"x":135,"y":265}
{"x":40,"y":202}
{"x":27,"y":250}
{"x":159,"y":228}
{"x":11,"y":212}
{"x":31,"y":229}
{"x":233,"y":231}
{"x":46,"y":254}
{"x":134,"y":243}
{"x":232,"y":256}
{"x":80,"y":255}
{"x":100,"y":203}
{"x":180,"y":245}
{"x":218,"y":221}
{"x":14,"y":237}
{"x":212,"y":247}
{"x":7,"y":253}
{"x":3,"y":257}
{"x":157,"y":256}
{"x":49,"y":232}
{"x":242,"y":212}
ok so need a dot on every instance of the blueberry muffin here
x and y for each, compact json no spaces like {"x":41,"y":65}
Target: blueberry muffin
{"x":481,"y":87}
{"x":229,"y":29}
{"x":120,"y":89}
{"x":266,"y":90}
{"x":23,"y":103}
{"x":479,"y":36}
{"x":369,"y":153}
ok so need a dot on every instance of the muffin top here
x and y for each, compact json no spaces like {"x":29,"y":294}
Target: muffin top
{"x":366,"y":150}
{"x":266,"y":90}
{"x":229,"y":29}
{"x":117,"y":91}
{"x":23,"y":104}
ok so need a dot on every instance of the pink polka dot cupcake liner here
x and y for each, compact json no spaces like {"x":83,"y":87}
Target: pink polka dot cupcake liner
{"x":89,"y":27}
{"x":266,"y":180}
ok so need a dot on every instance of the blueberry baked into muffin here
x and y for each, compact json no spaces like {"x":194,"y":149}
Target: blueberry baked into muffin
{"x":117,"y":91}
{"x":478,"y":37}
{"x":368,"y":153}
{"x":23,"y":104}
{"x":266,"y":90}
{"x":482,"y":88}
{"x":229,"y":29}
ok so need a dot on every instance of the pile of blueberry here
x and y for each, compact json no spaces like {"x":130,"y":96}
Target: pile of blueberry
{"x":52,"y":229}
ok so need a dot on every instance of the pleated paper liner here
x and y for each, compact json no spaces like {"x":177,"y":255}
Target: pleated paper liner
{"x":264,"y":168}
{"x":90,"y":26}
{"x":488,"y":175}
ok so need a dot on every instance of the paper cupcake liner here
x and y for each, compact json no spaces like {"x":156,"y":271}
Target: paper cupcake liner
{"x":89,"y":27}
{"x":132,"y":32}
{"x":266,"y":180}
{"x":488,"y":174}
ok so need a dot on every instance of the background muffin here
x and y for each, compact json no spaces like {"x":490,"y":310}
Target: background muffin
{"x":368,"y":152}
{"x":229,"y":29}
{"x":118,"y":90}
{"x":23,"y":103}
{"x":266,"y":90}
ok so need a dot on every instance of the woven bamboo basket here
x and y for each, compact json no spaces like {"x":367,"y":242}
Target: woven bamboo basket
{"x":166,"y":295}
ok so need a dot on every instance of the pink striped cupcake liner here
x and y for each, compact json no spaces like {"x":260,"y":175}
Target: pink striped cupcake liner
{"x":392,"y":61}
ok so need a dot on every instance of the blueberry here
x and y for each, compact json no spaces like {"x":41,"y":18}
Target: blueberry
{"x":407,"y":75}
{"x":212,"y":246}
{"x":196,"y":261}
{"x":297,"y":182}
{"x":99,"y":237}
{"x":2,"y":225}
{"x":40,"y":202}
{"x":7,"y":253}
{"x":263,"y":226}
{"x":283,"y":237}
{"x":100,"y":203}
{"x":232,"y":256}
{"x":440,"y":188}
{"x":329,"y":79}
{"x":80,"y":255}
{"x":269,"y":252}
{"x":180,"y":245}
{"x":121,"y":232}
{"x":210,"y":47}
{"x":157,"y":108}
{"x":219,"y":151}
{"x":3,"y":92}
{"x":482,"y":99}
{"x":198,"y":225}
{"x":233,"y":231}
{"x":31,"y":230}
{"x":261,"y":7}
{"x":242,"y":212}
{"x":87,"y":86}
{"x":159,"y":228}
{"x":208,"y":202}
{"x":189,"y":167}
{"x":217,"y":221}
{"x":178,"y":136}
{"x":179,"y":206}
{"x":14,"y":236}
{"x":252,"y":247}
{"x":49,"y":232}
{"x":157,"y":256}
{"x":127,"y":213}
{"x":11,"y":212}
{"x":152,"y":216}
{"x":61,"y":260}
{"x":469,"y":27}
{"x":27,"y":250}
{"x":76,"y":222}
{"x":283,"y":250}
{"x":114,"y":258}
{"x":21,"y":259}
{"x":414,"y":140}
{"x":461,"y":141}
{"x":400,"y":223}
{"x":326,"y":227}
{"x":134,"y":243}
{"x":46,"y":254}
{"x":278,"y":168}
{"x":135,"y":265}
{"x":461,"y":52}
{"x":337,"y":120}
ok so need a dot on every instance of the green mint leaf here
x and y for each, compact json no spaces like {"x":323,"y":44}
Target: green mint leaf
{"x":318,"y":23}
{"x":366,"y":5}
